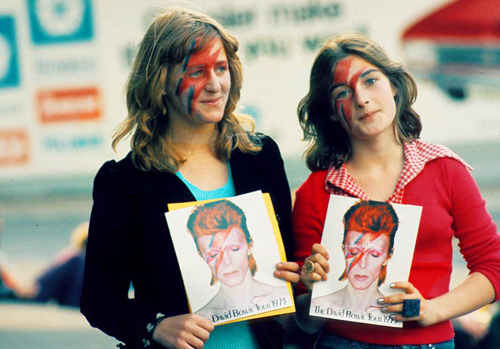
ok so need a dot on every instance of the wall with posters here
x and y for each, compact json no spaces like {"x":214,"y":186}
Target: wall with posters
{"x":64,"y":63}
{"x":52,"y":117}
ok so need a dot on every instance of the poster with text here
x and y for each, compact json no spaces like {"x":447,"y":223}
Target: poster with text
{"x":371,"y":245}
{"x":227,"y":252}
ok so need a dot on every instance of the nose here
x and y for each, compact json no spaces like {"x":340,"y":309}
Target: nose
{"x":361,"y":97}
{"x":213,"y":83}
{"x":363,"y":262}
{"x":227,"y":258}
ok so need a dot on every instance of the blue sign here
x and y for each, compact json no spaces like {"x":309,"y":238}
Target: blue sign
{"x":60,"y":21}
{"x":9,"y":62}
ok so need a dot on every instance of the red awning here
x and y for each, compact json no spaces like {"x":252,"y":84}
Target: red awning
{"x":469,"y":21}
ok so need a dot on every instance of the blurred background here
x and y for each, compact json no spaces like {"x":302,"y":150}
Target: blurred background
{"x":64,"y":63}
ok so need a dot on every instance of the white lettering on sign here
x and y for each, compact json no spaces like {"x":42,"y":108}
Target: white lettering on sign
{"x":69,"y":105}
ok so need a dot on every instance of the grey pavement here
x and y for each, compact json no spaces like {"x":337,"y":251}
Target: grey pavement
{"x":47,"y":326}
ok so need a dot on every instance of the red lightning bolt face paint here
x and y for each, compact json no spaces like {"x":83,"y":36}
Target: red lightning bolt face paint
{"x":344,"y":107}
{"x":365,"y":254}
{"x":362,"y":98}
{"x":198,"y":88}
{"x":226,"y":252}
{"x":196,"y":69}
{"x":340,"y":77}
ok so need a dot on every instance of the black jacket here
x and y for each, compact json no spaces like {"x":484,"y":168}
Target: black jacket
{"x":129,"y":241}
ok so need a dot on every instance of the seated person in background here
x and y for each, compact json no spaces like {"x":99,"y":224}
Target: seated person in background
{"x":62,"y":280}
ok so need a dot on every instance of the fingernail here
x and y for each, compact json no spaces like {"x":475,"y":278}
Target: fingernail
{"x":383,"y":309}
{"x":392,"y":285}
{"x":279,"y":265}
{"x":380,"y":300}
{"x":392,"y":316}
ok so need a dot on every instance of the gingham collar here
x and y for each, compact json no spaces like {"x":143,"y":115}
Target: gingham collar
{"x":417,"y":154}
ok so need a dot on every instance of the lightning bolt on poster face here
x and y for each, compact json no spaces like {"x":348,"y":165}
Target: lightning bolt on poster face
{"x":371,"y":245}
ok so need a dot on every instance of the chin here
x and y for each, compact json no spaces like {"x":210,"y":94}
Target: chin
{"x":232,"y":283}
{"x":210,"y":116}
{"x":361,"y":285}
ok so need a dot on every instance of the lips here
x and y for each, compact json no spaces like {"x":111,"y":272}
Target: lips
{"x":360,"y":277}
{"x":212,"y":101}
{"x":230,"y":274}
{"x":368,"y":115}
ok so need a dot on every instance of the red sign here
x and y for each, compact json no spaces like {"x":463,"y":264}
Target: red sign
{"x":69,"y":105}
{"x":14,"y":147}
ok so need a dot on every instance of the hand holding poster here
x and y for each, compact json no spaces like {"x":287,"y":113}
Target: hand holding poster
{"x":227,"y":251}
{"x":371,"y":245}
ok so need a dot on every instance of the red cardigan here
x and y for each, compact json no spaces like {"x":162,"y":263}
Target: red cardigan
{"x":452,"y":207}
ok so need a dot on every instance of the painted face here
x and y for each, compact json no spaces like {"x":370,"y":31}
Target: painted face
{"x":226,"y":252}
{"x":198,"y":88}
{"x":362,"y":98}
{"x":365,"y":254}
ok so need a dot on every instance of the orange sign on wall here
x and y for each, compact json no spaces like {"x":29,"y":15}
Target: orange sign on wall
{"x":69,"y":105}
{"x":14,"y":147}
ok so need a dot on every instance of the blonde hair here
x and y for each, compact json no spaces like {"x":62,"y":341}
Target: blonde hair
{"x":79,"y":236}
{"x":166,"y":43}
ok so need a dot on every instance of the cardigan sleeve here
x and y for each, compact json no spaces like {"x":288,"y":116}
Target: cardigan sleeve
{"x":105,"y":302}
{"x":308,"y":217}
{"x":479,"y":241}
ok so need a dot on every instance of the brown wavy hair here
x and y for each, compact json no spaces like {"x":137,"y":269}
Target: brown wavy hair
{"x":329,"y":144}
{"x":165,"y":44}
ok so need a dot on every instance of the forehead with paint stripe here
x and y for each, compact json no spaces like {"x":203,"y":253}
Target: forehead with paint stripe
{"x":348,"y":70}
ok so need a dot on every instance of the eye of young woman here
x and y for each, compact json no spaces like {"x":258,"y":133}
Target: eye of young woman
{"x":221,"y":68}
{"x":370,"y":81}
{"x":372,"y":76}
{"x":341,"y":93}
{"x":195,"y":72}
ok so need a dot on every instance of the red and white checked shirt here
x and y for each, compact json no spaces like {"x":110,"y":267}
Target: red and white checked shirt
{"x":417,"y":154}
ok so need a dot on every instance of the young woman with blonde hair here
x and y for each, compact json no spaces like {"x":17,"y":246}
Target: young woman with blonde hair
{"x":187,"y":144}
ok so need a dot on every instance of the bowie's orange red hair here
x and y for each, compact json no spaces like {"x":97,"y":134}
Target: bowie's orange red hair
{"x":214,"y":217}
{"x":373,"y":217}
